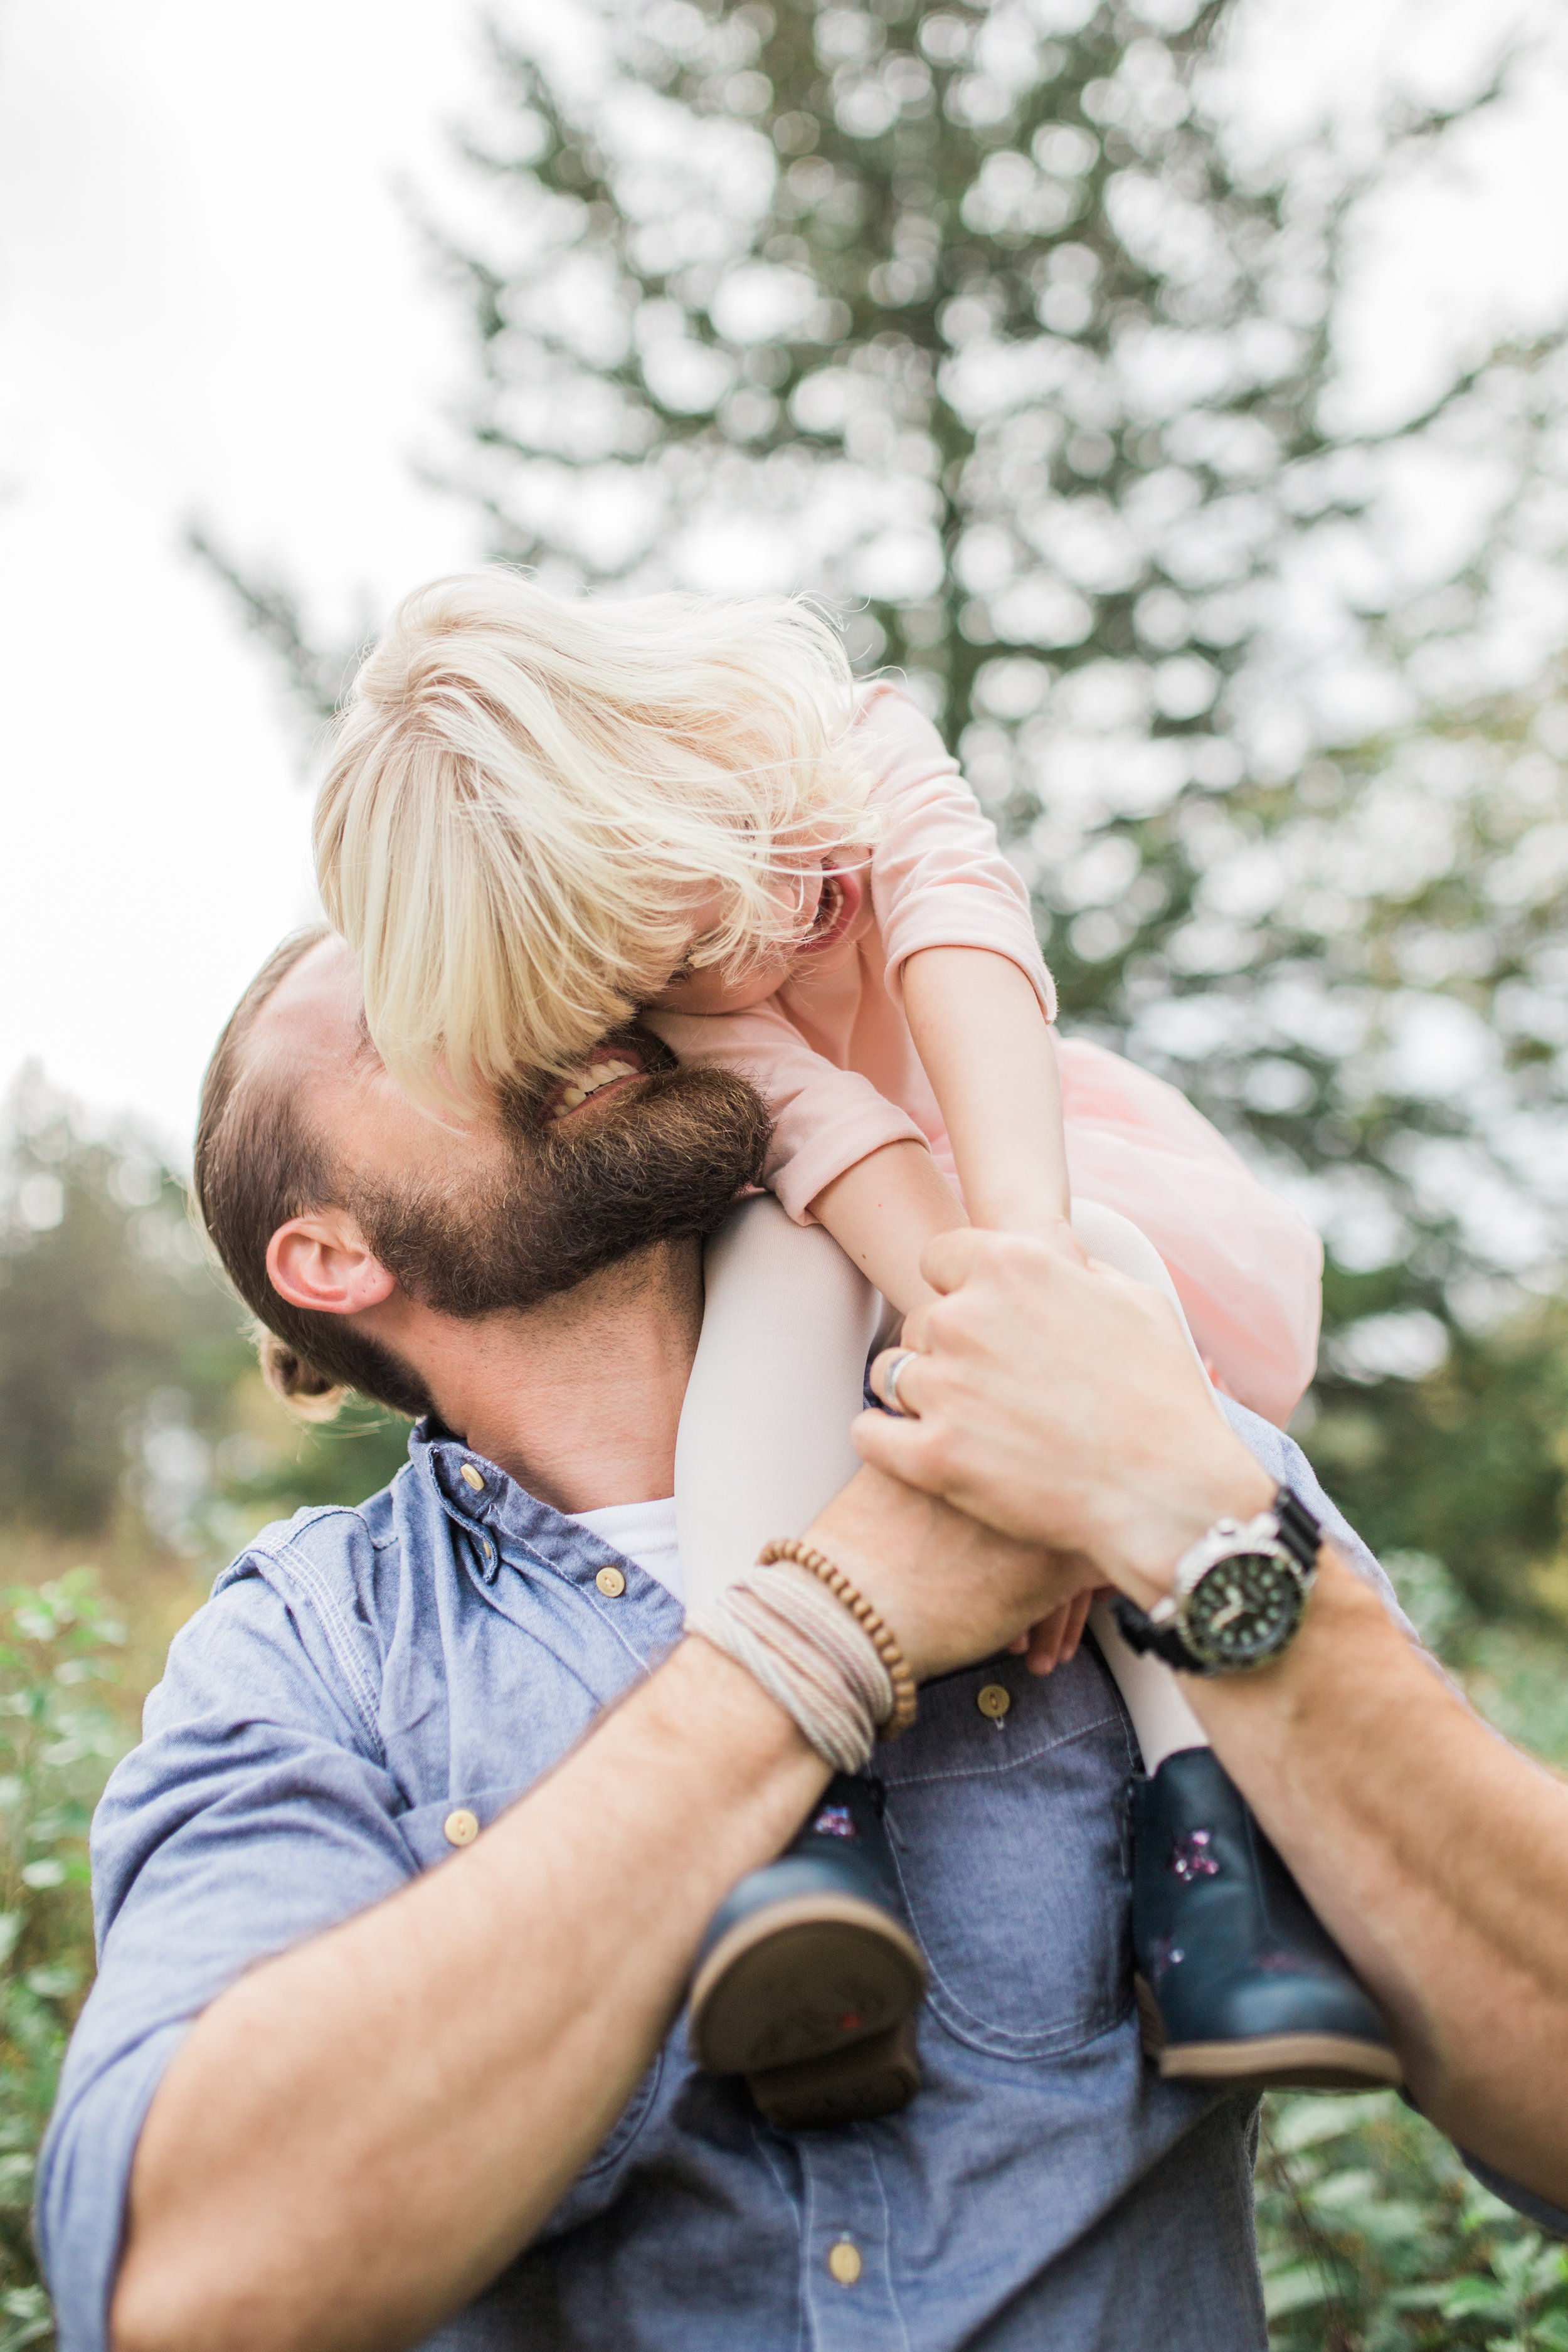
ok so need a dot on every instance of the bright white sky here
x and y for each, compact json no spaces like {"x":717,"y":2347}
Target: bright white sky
{"x":211,"y":303}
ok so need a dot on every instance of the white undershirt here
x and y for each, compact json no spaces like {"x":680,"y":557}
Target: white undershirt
{"x":643,"y":1532}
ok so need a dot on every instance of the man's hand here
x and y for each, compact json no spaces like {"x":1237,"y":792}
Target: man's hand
{"x":1062,"y":1405}
{"x":951,"y":1588}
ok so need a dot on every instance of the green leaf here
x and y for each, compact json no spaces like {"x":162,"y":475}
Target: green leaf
{"x":17,"y":2180}
{"x":1431,"y":2295}
{"x":1340,"y":2189}
{"x":1309,"y":2122}
{"x":1479,"y":2298}
{"x":1527,"y":2265}
{"x":1304,"y":2286}
{"x":55,"y":1983}
{"x":1394,"y":2220}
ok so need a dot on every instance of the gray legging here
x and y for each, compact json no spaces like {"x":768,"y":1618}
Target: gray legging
{"x":764,"y":1432}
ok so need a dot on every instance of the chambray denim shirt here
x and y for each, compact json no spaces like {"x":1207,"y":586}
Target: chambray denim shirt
{"x":359,"y":1673}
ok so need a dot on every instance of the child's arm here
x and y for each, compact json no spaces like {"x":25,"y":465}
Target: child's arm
{"x":840,"y":1152}
{"x":883,"y":1211}
{"x":988,"y":1051}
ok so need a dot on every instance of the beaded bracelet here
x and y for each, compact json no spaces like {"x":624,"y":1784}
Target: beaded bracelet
{"x":809,"y":1654}
{"x":876,"y":1628}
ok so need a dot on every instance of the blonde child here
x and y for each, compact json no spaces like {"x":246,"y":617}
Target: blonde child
{"x":546,"y":816}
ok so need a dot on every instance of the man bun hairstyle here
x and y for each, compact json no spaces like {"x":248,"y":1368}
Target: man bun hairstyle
{"x":529,"y":795}
{"x":256,"y":1164}
{"x":308,"y":1394}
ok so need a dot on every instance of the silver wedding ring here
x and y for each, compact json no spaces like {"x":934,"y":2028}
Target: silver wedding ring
{"x":890,"y":1385}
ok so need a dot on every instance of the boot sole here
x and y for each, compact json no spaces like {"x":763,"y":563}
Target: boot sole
{"x":801,"y":1980}
{"x":878,"y":2077}
{"x":1276,"y":2062}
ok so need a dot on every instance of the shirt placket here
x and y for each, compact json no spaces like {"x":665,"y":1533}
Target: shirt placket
{"x":848,"y":2287}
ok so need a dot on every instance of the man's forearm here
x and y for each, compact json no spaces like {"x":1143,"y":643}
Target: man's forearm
{"x":1064,"y":1405}
{"x":359,"y":2135}
{"x":1436,"y":1854}
{"x":356,"y":2137}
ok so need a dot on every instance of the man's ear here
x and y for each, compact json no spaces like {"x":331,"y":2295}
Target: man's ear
{"x":323,"y":1262}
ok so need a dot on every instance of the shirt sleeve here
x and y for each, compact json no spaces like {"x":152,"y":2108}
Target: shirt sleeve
{"x":255,"y":1814}
{"x":1551,"y":2219}
{"x":1284,"y":1460}
{"x":937,"y":876}
{"x":825,"y":1119}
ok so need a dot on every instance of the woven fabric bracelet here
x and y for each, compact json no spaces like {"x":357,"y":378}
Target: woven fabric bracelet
{"x":817,"y":1646}
{"x":808,"y":1653}
{"x":877,"y":1632}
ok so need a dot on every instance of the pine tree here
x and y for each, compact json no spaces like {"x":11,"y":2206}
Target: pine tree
{"x":977,"y":320}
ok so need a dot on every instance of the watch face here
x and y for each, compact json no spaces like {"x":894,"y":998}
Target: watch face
{"x":1244,"y":1609}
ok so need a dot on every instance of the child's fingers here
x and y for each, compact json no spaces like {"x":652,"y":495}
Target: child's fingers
{"x":1056,"y":1639}
{"x":1046,"y":1640}
{"x":1077,"y":1618}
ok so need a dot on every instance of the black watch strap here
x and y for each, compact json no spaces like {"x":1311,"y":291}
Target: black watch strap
{"x":1299,"y":1532}
{"x":1139,"y":1632}
{"x":1302,"y":1536}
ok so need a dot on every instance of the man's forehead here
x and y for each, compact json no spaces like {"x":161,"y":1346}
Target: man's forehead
{"x":315,"y":1016}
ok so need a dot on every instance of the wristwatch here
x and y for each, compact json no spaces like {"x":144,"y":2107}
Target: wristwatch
{"x":1239,"y":1595}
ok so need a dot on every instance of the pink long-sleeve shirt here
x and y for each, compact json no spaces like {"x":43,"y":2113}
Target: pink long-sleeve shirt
{"x":832,"y":1055}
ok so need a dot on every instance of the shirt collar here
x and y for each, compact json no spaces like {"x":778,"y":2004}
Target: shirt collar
{"x":495,"y":1510}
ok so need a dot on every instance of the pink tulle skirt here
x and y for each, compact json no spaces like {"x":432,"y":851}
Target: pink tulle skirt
{"x":1248,"y":1268}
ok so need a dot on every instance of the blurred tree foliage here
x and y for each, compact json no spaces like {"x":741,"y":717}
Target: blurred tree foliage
{"x":134,"y":1417}
{"x":988,"y":323}
{"x":56,"y":1743}
{"x":128,"y":1393}
{"x":1374,"y":2238}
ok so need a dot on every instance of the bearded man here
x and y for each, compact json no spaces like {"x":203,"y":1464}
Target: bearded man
{"x":399,"y":1896}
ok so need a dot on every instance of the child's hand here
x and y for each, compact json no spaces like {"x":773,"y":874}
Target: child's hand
{"x":1055,"y":1639}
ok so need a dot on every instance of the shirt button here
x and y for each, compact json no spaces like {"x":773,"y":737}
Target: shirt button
{"x":844,"y":2261}
{"x":611,"y":1583}
{"x":472,"y":1477}
{"x":460,"y":1828}
{"x":993,"y":1700}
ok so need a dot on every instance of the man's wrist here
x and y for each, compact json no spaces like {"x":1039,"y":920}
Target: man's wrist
{"x":872,"y":1538}
{"x":698,"y":1671}
{"x":1143,"y":1555}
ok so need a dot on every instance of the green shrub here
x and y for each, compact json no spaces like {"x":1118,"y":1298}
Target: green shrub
{"x":57,"y":1742}
{"x":1374,"y":2238}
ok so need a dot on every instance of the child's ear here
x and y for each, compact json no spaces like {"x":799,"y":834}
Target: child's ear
{"x":323,"y":1262}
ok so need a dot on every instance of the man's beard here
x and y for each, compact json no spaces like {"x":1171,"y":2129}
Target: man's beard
{"x":662,"y":1164}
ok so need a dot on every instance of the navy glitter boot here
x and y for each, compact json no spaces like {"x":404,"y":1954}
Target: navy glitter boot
{"x":1237,"y":1981}
{"x":807,"y":1981}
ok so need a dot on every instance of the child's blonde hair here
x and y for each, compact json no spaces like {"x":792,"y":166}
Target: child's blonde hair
{"x":527,"y":792}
